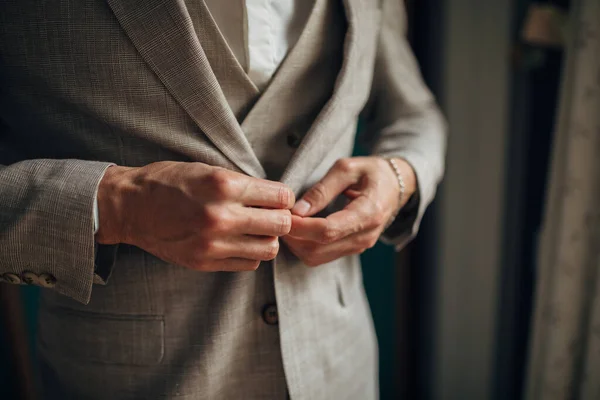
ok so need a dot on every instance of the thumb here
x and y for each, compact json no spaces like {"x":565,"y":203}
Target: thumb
{"x":342,"y":175}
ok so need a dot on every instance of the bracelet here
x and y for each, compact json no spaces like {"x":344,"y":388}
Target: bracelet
{"x":402,"y":185}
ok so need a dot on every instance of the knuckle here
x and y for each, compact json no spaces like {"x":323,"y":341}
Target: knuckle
{"x":359,"y":251}
{"x":206,"y":248}
{"x":311,"y":260}
{"x":251,"y":265}
{"x":217,"y":219}
{"x":254,"y":265}
{"x":376,"y":216}
{"x":363,"y":243}
{"x":285,"y":225}
{"x":379,"y":209}
{"x":270,"y":250}
{"x":367,"y":242}
{"x":344,"y":164}
{"x":209,"y":217}
{"x":224,"y":221}
{"x":372,"y":242}
{"x":285,"y":197}
{"x":377,"y":220}
{"x":222,"y":184}
{"x":359,"y":226}
{"x":329,"y":235}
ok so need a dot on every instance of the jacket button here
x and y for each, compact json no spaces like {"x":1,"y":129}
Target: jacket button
{"x":293,"y":140}
{"x":47,"y":280}
{"x":29,"y":278}
{"x":12,"y":278}
{"x":269,"y":314}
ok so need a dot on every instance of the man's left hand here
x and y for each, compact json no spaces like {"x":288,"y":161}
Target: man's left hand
{"x":372,"y":187}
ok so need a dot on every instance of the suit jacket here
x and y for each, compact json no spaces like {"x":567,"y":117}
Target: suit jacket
{"x":88,"y":83}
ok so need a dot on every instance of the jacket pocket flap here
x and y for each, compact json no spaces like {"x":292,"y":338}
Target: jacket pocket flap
{"x":103,"y":338}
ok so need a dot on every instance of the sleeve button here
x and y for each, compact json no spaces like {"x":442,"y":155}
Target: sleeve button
{"x":29,"y":278}
{"x":12,"y":278}
{"x":294,"y":140}
{"x":47,"y":280}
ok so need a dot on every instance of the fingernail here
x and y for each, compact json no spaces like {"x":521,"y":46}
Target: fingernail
{"x":301,"y":208}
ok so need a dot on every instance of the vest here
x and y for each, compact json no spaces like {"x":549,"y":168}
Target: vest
{"x":275,"y":141}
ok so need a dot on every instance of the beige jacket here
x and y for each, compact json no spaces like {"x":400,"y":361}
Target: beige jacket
{"x":87,"y":83}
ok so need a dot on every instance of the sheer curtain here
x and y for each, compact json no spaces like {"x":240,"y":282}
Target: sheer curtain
{"x":564,"y":359}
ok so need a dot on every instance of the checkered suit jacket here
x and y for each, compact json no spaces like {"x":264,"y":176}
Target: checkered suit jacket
{"x":88,"y":83}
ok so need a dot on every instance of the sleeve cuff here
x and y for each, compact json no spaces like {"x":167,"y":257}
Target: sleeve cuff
{"x":46,"y":209}
{"x":104,"y":255}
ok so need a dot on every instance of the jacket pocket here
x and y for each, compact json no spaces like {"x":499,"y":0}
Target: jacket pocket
{"x":102,"y":338}
{"x":349,"y":280}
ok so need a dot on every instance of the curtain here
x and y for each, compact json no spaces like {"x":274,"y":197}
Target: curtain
{"x":564,"y":357}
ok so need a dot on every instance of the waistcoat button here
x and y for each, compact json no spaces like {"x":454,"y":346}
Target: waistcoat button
{"x":269,"y":314}
{"x":293,"y":140}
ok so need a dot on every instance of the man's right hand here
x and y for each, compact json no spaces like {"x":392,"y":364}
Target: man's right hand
{"x":194,"y":215}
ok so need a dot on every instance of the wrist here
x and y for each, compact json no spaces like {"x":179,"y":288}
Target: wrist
{"x":406,"y":184}
{"x":112,"y":199}
{"x":409,"y":177}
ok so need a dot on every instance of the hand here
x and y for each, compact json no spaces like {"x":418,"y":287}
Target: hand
{"x":194,"y":215}
{"x":372,"y":187}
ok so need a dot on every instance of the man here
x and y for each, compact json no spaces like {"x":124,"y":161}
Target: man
{"x":178,"y":174}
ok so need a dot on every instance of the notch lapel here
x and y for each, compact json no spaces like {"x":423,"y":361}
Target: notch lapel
{"x":163,"y":34}
{"x":293,"y":65}
{"x":239,"y":90}
{"x":325,"y":130}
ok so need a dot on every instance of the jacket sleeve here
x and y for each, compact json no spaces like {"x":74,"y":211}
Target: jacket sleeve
{"x":402,"y":119}
{"x":46,"y":224}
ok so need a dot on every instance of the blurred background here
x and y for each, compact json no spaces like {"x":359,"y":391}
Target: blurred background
{"x":455,"y":312}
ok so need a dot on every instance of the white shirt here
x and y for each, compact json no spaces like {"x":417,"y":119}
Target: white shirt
{"x":273,"y":27}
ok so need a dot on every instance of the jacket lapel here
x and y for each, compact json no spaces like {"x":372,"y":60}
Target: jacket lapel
{"x":325,"y":130}
{"x":163,"y":34}
{"x":240,"y":92}
{"x":289,"y":72}
{"x":301,"y":87}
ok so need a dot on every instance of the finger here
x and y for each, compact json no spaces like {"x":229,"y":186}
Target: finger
{"x":247,"y":247}
{"x":308,"y":228}
{"x":352,"y":193}
{"x":359,"y":215}
{"x":257,"y":221}
{"x":314,"y":254}
{"x":343,"y":174}
{"x":268,"y":194}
